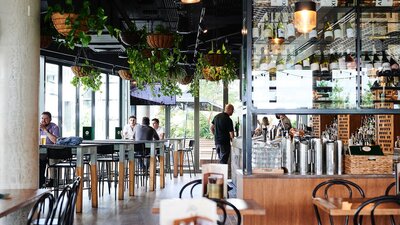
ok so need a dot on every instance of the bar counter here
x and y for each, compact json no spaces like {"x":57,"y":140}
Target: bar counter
{"x":287,"y":198}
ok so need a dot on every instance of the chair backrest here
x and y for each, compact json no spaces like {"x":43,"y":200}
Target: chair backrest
{"x":192,"y":184}
{"x":140,"y":149}
{"x":371,"y":205}
{"x":73,"y":194}
{"x":41,"y":209}
{"x":191,"y":143}
{"x":389,"y":188}
{"x":336,"y":184}
{"x":59,"y":153}
{"x":223,"y":205}
{"x":105,"y":149}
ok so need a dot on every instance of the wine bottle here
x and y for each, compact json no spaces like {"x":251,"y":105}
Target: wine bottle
{"x":328,"y":32}
{"x":314,"y":63}
{"x":280,"y":29}
{"x":342,"y":61}
{"x":337,"y":31}
{"x":333,"y":61}
{"x":386,"y":70}
{"x":268,"y":30}
{"x":324,"y":63}
{"x":290,"y":30}
{"x":280,"y":63}
{"x":298,"y":65}
{"x":349,"y":30}
{"x":350,"y":62}
{"x":306,"y":64}
{"x":272,"y":69}
{"x":312,"y":35}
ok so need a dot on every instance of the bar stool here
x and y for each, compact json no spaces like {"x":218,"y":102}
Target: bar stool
{"x":106,"y":160}
{"x":142,"y":160}
{"x":168,"y":157}
{"x":187,"y":156}
{"x":214,"y":155}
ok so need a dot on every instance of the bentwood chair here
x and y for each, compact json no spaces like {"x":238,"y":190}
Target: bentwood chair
{"x":387,"y":192}
{"x":371,"y":205}
{"x":41,"y":210}
{"x":223,"y":204}
{"x":192,"y":184}
{"x":344,"y":187}
{"x":188,"y":157}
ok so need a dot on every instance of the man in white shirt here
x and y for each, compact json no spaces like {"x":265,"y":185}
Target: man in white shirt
{"x":158,"y":128}
{"x":129,"y":130}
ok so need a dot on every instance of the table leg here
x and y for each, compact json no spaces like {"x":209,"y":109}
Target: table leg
{"x":162,"y":176}
{"x":176,"y":157}
{"x":131,"y":177}
{"x":93,"y":178}
{"x":180,"y":163}
{"x":79,"y":173}
{"x":121,"y":172}
{"x":152,"y":171}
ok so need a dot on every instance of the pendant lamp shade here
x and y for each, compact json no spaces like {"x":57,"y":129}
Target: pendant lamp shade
{"x":190,"y":1}
{"x":305,"y":16}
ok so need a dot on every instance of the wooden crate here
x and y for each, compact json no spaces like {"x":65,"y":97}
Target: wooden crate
{"x":385,"y":132}
{"x":368,"y":164}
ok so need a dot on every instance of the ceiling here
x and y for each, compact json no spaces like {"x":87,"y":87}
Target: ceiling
{"x":222,"y":19}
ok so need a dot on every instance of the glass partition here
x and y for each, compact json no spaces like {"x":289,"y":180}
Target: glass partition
{"x":51,"y":91}
{"x":68,"y":103}
{"x":114,"y":105}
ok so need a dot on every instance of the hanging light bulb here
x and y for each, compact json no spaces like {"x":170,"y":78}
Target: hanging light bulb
{"x":190,"y":1}
{"x":305,"y":16}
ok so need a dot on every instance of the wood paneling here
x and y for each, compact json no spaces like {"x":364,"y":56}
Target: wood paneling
{"x":287,"y":200}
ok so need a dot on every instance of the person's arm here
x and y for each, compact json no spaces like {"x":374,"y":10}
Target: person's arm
{"x":231,"y":134}
{"x":212,"y":129}
{"x":51,"y":133}
{"x":155,"y":135}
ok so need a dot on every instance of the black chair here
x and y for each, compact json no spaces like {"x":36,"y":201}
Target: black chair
{"x":188,"y":157}
{"x":327,"y":185}
{"x":41,"y":210}
{"x":142,"y":162}
{"x":64,"y":162}
{"x":387,"y":191}
{"x":106,"y":160}
{"x":168,"y":158}
{"x":192,"y":184}
{"x":223,"y":204}
{"x":378,"y":201}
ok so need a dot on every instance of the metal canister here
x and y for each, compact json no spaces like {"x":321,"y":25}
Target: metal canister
{"x":319,"y":166}
{"x":331,"y":158}
{"x":303,"y":158}
{"x":288,"y":154}
{"x":339,"y":145}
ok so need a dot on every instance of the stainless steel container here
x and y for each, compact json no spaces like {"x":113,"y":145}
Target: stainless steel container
{"x":339,"y":145}
{"x":303,"y":158}
{"x":288,"y":154}
{"x":318,"y":163}
{"x":331,"y":158}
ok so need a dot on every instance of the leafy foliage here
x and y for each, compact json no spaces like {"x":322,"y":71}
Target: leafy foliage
{"x":89,"y":77}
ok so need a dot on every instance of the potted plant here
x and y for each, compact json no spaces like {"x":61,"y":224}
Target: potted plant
{"x":125,"y":74}
{"x":86,"y":75}
{"x":73,"y":21}
{"x":133,"y":36}
{"x":160,"y":38}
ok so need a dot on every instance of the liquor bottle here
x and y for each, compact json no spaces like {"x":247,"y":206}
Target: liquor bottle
{"x":290,"y":30}
{"x":306,"y":63}
{"x":268,"y":30}
{"x":386,"y":70}
{"x":312,"y":35}
{"x":324,"y":63}
{"x":349,"y":30}
{"x":280,"y":63}
{"x":333,"y":61}
{"x":280,"y":30}
{"x":328,"y":32}
{"x":298,"y":65}
{"x":272,"y":69}
{"x":337,"y":31}
{"x":350,"y":62}
{"x":342,"y":61}
{"x":314,"y":63}
{"x":368,"y":62}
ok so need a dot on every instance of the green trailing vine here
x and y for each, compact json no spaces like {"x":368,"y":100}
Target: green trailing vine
{"x":87,"y":76}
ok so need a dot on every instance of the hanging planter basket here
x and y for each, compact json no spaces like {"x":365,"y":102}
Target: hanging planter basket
{"x":59,"y":22}
{"x":77,"y":70}
{"x":129,"y":38}
{"x":186,"y":80}
{"x":211,"y":73}
{"x":45,"y":41}
{"x":215,"y":59}
{"x":160,"y":40}
{"x":125,"y":74}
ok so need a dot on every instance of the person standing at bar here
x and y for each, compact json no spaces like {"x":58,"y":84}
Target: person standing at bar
{"x":222,"y":129}
{"x":129,"y":129}
{"x":158,"y":128}
{"x":52,"y":132}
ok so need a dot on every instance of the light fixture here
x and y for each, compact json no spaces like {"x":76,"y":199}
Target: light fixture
{"x":190,"y":1}
{"x":305,"y":16}
{"x":203,"y":28}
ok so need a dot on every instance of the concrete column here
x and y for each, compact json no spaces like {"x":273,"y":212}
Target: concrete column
{"x":19,"y":93}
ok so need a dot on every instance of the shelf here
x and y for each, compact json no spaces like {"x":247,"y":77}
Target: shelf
{"x":371,"y":9}
{"x":386,"y":88}
{"x":329,"y":89}
{"x":387,"y":101}
{"x":322,"y":101}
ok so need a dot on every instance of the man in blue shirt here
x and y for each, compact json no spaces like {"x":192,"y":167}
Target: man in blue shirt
{"x":222,"y":129}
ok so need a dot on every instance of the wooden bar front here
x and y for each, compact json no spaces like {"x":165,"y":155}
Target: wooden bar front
{"x":287,"y":198}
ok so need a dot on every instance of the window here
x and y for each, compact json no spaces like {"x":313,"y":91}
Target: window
{"x":114,"y":109}
{"x":100,"y":110}
{"x":51,"y":91}
{"x":85,"y":109}
{"x":68,"y":103}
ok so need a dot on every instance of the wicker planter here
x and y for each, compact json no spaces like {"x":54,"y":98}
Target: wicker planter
{"x":45,"y":41}
{"x":129,"y":38}
{"x":215,"y":59}
{"x":186,"y":80}
{"x":160,"y":40}
{"x":125,"y":74}
{"x":59,"y":22}
{"x":77,"y":70}
{"x":211,"y":75}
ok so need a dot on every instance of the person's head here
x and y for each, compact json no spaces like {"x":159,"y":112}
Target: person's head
{"x":132,"y":121}
{"x":265,"y":121}
{"x":156,"y":123}
{"x":145,"y":121}
{"x":46,"y":118}
{"x":229,"y":109}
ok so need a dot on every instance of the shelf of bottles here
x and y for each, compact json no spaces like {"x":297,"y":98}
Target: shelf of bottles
{"x":318,"y":69}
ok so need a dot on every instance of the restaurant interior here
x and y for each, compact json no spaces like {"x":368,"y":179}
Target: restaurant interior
{"x":312,"y":90}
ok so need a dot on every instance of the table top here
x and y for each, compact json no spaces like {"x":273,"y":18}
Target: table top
{"x":334,"y":207}
{"x":18,"y":199}
{"x":121,"y":141}
{"x":85,"y":145}
{"x":245,"y":206}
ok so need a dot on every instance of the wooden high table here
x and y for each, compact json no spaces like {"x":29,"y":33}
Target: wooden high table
{"x":247,"y":207}
{"x":123,"y":145}
{"x":80,"y":150}
{"x":333,"y":206}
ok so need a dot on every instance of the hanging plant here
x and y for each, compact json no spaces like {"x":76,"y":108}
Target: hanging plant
{"x":87,"y":76}
{"x":133,"y":36}
{"x":161,"y":38}
{"x":125,"y":74}
{"x":73,"y":23}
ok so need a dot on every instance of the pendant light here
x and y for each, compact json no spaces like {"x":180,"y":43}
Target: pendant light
{"x":305,"y":16}
{"x":190,"y":1}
